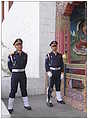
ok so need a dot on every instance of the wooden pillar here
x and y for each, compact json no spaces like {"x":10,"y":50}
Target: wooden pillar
{"x":2,"y":10}
{"x":60,"y":33}
{"x":67,"y":39}
{"x":85,"y":90}
{"x":10,"y":4}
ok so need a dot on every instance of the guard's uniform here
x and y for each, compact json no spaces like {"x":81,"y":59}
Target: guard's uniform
{"x":54,"y":64}
{"x":17,"y":64}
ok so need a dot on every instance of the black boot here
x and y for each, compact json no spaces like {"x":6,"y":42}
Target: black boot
{"x":61,"y":102}
{"x":10,"y":111}
{"x":28,"y":108}
{"x":49,"y":103}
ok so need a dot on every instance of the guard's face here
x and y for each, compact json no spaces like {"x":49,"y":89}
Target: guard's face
{"x":54,"y":47}
{"x":19,"y":47}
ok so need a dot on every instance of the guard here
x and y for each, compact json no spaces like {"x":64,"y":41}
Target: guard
{"x":54,"y":66}
{"x":16,"y":63}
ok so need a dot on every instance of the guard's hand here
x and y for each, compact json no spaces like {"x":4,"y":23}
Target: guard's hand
{"x":11,"y":53}
{"x":62,"y":76}
{"x":49,"y":74}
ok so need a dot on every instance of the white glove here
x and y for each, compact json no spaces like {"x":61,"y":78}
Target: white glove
{"x":62,"y":76}
{"x":49,"y":74}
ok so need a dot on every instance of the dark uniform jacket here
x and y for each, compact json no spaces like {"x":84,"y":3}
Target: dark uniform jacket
{"x":54,"y":61}
{"x":16,"y":61}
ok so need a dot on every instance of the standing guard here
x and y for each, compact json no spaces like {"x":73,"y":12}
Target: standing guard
{"x":16,"y":63}
{"x":54,"y":66}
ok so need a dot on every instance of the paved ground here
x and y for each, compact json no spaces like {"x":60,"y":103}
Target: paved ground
{"x":40,"y":110}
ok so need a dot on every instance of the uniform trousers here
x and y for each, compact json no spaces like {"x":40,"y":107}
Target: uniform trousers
{"x":18,"y":77}
{"x":55,"y":79}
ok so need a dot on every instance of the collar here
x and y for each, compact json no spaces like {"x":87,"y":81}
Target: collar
{"x":55,"y":53}
{"x":16,"y":52}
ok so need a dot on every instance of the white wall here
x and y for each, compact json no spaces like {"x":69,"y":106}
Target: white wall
{"x":47,"y":17}
{"x":23,"y":22}
{"x":35,"y":24}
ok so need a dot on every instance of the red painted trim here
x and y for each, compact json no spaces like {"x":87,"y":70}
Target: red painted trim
{"x":2,"y":10}
{"x":10,"y":4}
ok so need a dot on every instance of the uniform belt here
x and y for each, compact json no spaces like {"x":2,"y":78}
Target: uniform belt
{"x":18,"y":70}
{"x":52,"y":68}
